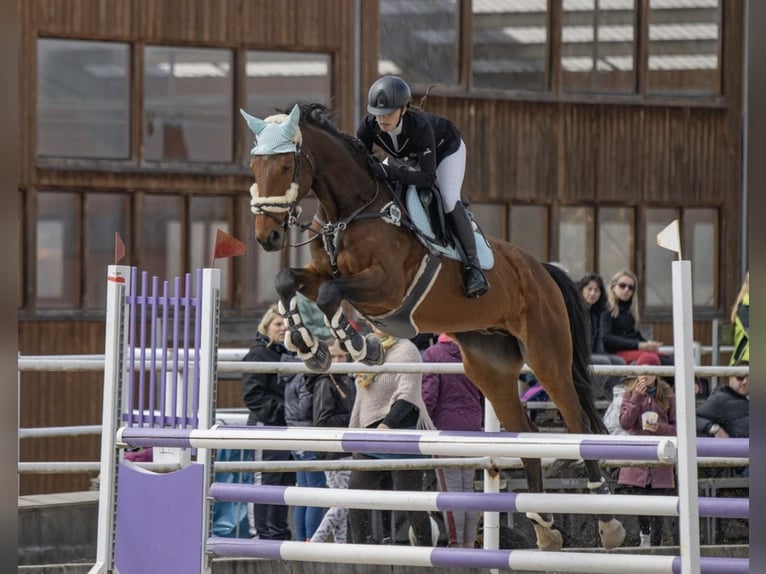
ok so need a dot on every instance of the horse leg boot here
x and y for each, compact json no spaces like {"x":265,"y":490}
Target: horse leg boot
{"x":313,"y":352}
{"x":475,"y":282}
{"x":610,"y":529}
{"x":367,"y":350}
{"x":549,"y":539}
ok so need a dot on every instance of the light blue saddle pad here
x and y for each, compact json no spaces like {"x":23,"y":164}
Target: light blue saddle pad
{"x":421,"y":221}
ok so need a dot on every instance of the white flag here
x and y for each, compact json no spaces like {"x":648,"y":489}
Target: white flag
{"x":670,"y":238}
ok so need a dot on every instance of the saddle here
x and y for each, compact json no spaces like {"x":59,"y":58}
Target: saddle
{"x":433,"y":205}
{"x":424,"y":209}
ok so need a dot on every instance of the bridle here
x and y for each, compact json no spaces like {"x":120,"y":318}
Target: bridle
{"x":287,"y":203}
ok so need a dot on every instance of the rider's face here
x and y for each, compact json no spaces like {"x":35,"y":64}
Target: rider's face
{"x":388,"y":122}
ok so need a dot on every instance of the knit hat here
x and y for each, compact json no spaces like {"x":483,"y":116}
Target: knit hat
{"x":648,"y":359}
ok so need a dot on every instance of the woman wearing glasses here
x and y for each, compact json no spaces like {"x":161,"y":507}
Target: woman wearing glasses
{"x":619,"y":325}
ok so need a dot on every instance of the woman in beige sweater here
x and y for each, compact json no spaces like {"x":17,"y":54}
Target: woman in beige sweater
{"x":383,"y":401}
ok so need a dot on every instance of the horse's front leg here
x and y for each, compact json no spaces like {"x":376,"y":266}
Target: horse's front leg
{"x":361,"y":288}
{"x":298,"y":338}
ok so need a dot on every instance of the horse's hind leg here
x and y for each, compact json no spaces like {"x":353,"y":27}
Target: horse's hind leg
{"x":493,"y":363}
{"x":557,"y":378}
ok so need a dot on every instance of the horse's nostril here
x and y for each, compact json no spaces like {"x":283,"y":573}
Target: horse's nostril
{"x":275,"y":237}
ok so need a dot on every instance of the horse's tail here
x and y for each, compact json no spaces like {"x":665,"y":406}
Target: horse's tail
{"x":580,"y":328}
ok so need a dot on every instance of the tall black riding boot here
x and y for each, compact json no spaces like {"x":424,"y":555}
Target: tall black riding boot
{"x":474,"y":281}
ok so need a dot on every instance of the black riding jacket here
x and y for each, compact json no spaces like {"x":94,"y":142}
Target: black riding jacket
{"x":425,"y":140}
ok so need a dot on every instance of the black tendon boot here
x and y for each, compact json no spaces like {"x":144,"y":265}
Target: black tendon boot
{"x":474,"y":281}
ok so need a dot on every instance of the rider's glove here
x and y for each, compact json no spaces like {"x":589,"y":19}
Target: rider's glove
{"x":380,"y":170}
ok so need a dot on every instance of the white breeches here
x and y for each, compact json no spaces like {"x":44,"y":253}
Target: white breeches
{"x":449,"y":177}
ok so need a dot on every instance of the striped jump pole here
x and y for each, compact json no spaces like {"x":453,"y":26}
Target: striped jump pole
{"x":421,"y":556}
{"x":425,"y":443}
{"x":568,"y":503}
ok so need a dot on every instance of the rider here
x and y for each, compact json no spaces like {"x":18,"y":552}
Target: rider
{"x":433,"y":144}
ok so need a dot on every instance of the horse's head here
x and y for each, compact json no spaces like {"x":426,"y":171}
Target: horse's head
{"x":276,"y":164}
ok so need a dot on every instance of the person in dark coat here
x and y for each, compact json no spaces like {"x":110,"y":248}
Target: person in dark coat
{"x":454,"y":403}
{"x":726,"y":413}
{"x":591,"y":286}
{"x":264,"y":396}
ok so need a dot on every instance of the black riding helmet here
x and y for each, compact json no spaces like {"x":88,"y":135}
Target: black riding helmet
{"x":386,"y":95}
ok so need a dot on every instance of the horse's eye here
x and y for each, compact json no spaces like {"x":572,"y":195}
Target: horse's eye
{"x":286,"y":168}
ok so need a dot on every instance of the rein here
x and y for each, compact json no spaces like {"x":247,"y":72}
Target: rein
{"x":331,"y":233}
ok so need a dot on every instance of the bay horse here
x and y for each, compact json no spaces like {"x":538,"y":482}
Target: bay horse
{"x":367,"y":256}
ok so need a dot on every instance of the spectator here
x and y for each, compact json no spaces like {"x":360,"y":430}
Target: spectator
{"x":726,"y":413}
{"x":264,"y":395}
{"x":454,"y":403}
{"x":333,"y":400}
{"x":648,"y":408}
{"x":740,"y":316}
{"x":389,"y":401}
{"x":299,"y":406}
{"x":619,"y":325}
{"x":593,"y":292}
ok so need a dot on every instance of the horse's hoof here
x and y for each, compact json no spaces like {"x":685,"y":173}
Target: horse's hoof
{"x":612,"y":533}
{"x":548,"y":539}
{"x":374,"y":354}
{"x":320,"y":361}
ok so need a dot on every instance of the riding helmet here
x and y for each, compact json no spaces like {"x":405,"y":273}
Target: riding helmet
{"x":386,"y":95}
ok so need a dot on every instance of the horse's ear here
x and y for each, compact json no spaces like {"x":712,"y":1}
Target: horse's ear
{"x":290,"y":123}
{"x":256,"y":125}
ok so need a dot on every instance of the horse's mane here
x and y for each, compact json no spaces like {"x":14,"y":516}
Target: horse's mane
{"x":323,"y":118}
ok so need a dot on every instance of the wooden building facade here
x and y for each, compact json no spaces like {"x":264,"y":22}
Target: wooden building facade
{"x":580,"y":148}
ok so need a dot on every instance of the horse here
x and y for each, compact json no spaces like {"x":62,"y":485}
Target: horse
{"x":367,"y":255}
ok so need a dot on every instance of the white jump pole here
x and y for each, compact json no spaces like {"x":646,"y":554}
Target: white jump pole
{"x":118,"y":285}
{"x":670,"y":238}
{"x":491,"y":530}
{"x":685,"y":418}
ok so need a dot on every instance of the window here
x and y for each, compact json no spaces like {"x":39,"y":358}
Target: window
{"x":684,"y":38}
{"x":576,"y":239}
{"x":83,"y":99}
{"x":160,"y":243}
{"x":56,"y":261}
{"x":510,"y":39}
{"x":418,"y":40}
{"x":276,"y":80}
{"x":597,"y":46}
{"x":105,"y":215}
{"x":261,"y":267}
{"x":615,"y":240}
{"x":593,"y":45}
{"x":207,"y":216}
{"x":657,"y":279}
{"x":188,"y":104}
{"x":529,"y":229}
{"x":698,"y":245}
{"x":490,"y":217}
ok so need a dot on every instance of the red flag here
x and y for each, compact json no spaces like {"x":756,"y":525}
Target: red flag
{"x":119,"y":248}
{"x":226,"y":246}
